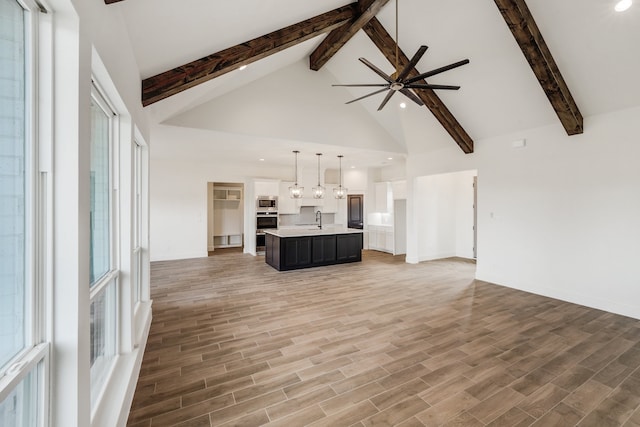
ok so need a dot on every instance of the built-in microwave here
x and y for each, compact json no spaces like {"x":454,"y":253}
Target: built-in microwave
{"x":267,"y":204}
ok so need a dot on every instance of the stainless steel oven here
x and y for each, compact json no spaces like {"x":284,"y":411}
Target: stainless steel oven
{"x":265,"y":220}
{"x":267,"y":204}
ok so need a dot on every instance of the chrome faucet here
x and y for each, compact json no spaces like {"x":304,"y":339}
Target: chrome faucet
{"x":319,"y":218}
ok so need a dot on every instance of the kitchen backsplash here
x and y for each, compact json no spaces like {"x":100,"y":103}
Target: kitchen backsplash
{"x":380,"y":219}
{"x":306,"y":216}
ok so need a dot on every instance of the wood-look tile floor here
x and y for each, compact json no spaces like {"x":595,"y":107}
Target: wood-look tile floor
{"x":377,"y":343}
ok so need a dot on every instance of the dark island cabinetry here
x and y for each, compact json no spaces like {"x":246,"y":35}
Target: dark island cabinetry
{"x":323,"y":249}
{"x":303,"y":251}
{"x":295,"y":252}
{"x":349,"y":247}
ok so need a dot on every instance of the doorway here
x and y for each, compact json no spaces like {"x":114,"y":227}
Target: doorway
{"x":355,"y":215}
{"x":225,"y":216}
{"x":447,"y":226}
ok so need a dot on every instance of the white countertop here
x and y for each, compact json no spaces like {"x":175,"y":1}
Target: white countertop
{"x":299,"y":232}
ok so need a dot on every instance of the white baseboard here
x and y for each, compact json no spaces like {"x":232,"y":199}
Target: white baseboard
{"x":556,"y":293}
{"x":174,"y":257}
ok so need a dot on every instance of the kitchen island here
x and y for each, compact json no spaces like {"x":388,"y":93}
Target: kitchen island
{"x":292,"y":249}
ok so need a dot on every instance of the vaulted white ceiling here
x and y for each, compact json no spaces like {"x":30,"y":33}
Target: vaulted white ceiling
{"x":594,"y":47}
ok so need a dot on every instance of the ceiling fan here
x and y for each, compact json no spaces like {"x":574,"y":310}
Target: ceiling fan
{"x":398,"y":81}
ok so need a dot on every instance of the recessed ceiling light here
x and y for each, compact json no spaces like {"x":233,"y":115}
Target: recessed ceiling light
{"x":389,"y":158}
{"x":262,"y":160}
{"x":623,"y":5}
{"x":353,"y":167}
{"x":242,"y":67}
{"x":403,"y":105}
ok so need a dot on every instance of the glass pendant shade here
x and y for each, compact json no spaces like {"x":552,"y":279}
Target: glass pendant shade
{"x":295,"y":191}
{"x":340,"y":192}
{"x":318,"y":191}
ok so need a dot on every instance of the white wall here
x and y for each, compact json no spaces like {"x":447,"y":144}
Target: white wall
{"x":560,"y":216}
{"x":279,"y":106}
{"x":179,"y":201}
{"x":179,"y":208}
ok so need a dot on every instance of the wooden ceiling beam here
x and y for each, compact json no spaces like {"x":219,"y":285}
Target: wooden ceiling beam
{"x":528,"y":36}
{"x":337,"y":38}
{"x":186,"y":76}
{"x":387,"y":46}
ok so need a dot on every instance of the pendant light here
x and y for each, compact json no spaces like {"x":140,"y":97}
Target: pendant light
{"x":318,"y":191}
{"x":340,"y":192}
{"x":295,"y":192}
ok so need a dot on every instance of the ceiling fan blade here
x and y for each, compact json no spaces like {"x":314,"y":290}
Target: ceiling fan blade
{"x":437,"y":71}
{"x":364,"y":85}
{"x":412,"y":96}
{"x":386,"y":99}
{"x":448,"y":87}
{"x":368,"y":95}
{"x":416,"y":58}
{"x":376,"y":70}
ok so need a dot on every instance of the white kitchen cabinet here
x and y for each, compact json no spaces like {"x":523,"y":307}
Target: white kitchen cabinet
{"x":399,"y":190}
{"x":266,"y":188}
{"x":384,"y":197}
{"x":388,"y":241}
{"x":381,"y":238}
{"x":287,"y":205}
{"x":373,"y":239}
{"x":330,"y":203}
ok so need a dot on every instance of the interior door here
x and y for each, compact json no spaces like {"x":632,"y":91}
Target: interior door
{"x":355,"y":217}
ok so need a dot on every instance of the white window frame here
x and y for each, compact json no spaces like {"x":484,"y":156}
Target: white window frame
{"x":140,"y":248}
{"x":112,"y":405}
{"x":137,"y":221}
{"x":35,"y":357}
{"x":112,"y":277}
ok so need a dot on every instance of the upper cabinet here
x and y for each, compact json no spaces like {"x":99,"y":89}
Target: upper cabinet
{"x":266,"y":188}
{"x":330,"y":203}
{"x":287,"y":205}
{"x":399,"y":190}
{"x":384,"y":197}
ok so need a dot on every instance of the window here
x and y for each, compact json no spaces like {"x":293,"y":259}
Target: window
{"x":137,"y":223}
{"x":103,"y":272}
{"x":22,"y":406}
{"x":13,"y":176}
{"x":23,"y":355}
